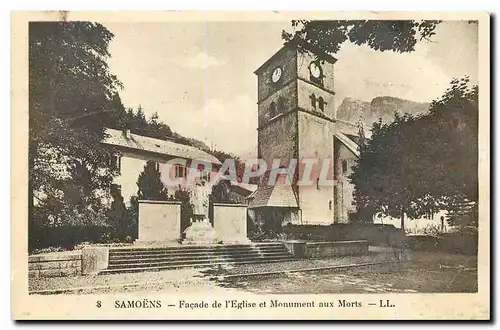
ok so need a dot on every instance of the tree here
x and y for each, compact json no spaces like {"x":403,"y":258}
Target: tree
{"x":328,"y":35}
{"x":220,"y":192}
{"x":118,"y":213}
{"x":382,"y":175}
{"x":70,"y":93}
{"x":183,"y":195}
{"x":454,"y":118}
{"x":420,"y":164}
{"x":150,"y":186}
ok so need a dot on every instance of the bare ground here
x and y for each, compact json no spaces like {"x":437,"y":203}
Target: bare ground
{"x":425,"y":272}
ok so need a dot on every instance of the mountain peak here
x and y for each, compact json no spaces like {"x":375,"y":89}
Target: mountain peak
{"x":354,"y":110}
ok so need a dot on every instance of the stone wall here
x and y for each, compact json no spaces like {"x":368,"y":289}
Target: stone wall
{"x":55,"y":264}
{"x":278,"y":140}
{"x":336,"y":249}
{"x":230,"y":222}
{"x":286,"y":59}
{"x":304,"y":60}
{"x":289,"y":102}
{"x":304,"y":249}
{"x":159,"y":221}
{"x":316,"y":142}
{"x":344,"y":189}
{"x":304,"y":92}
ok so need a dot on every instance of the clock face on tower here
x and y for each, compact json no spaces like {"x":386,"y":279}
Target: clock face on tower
{"x":315,"y":70}
{"x":276,"y":75}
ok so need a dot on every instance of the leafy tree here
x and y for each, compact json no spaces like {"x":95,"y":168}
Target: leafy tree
{"x":382,"y":175}
{"x":454,"y":118}
{"x":220,"y":192}
{"x":329,"y":35}
{"x":420,"y":164}
{"x":150,"y":186}
{"x":70,"y":92}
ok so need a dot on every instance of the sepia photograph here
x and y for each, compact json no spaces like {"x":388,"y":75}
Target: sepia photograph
{"x":260,"y":166}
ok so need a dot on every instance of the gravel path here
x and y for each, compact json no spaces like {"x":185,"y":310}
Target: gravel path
{"x":300,"y":264}
{"x":176,"y":277}
{"x":427,"y":272}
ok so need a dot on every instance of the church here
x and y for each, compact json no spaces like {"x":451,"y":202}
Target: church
{"x":297,"y":120}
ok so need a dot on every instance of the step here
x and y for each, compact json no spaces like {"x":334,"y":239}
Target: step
{"x":192,"y":262}
{"x":193,"y":254}
{"x":199,"y":257}
{"x":182,"y":247}
{"x":200,"y":265}
{"x":188,"y":255}
{"x":193,"y":249}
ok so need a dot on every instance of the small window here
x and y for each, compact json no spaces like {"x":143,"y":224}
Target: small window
{"x":344,"y":166}
{"x":313,"y":100}
{"x":272,"y":110}
{"x":205,"y":176}
{"x":321,"y":103}
{"x":116,"y":162}
{"x":180,"y":171}
{"x":157,"y":166}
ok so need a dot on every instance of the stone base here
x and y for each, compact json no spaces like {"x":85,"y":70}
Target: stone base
{"x":201,"y":233}
{"x":157,"y":243}
{"x":243,"y":241}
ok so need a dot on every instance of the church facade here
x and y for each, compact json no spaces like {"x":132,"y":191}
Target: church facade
{"x":296,"y":120}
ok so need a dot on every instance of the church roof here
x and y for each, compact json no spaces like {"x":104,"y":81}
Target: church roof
{"x":162,"y":147}
{"x":350,"y":144}
{"x":280,"y":195}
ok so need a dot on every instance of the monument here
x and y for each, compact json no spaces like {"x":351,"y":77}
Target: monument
{"x":200,"y":232}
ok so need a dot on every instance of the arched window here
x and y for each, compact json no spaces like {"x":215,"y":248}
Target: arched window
{"x":321,"y":103}
{"x":281,"y":105}
{"x":344,"y":166}
{"x":313,"y":100}
{"x":272,"y":110}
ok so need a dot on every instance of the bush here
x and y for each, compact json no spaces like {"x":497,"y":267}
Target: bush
{"x":458,"y":242}
{"x":66,"y":237}
{"x":431,"y":230}
{"x":48,"y":250}
{"x":375,"y":234}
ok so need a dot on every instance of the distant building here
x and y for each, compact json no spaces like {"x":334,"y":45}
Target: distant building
{"x":135,"y":150}
{"x":422,"y":225}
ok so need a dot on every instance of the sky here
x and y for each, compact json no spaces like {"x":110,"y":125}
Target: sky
{"x":199,"y":76}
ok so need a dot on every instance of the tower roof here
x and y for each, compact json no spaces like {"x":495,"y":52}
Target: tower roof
{"x":298,"y":42}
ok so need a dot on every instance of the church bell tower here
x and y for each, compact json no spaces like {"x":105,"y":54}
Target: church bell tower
{"x":296,"y":116}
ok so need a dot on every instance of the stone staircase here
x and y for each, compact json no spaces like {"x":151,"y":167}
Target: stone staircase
{"x":139,"y":259}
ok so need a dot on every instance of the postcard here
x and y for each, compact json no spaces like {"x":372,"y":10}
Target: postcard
{"x":250,"y":166}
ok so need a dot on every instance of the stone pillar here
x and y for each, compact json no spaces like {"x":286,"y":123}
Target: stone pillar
{"x":230,"y":223}
{"x":159,"y":222}
{"x":94,"y":259}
